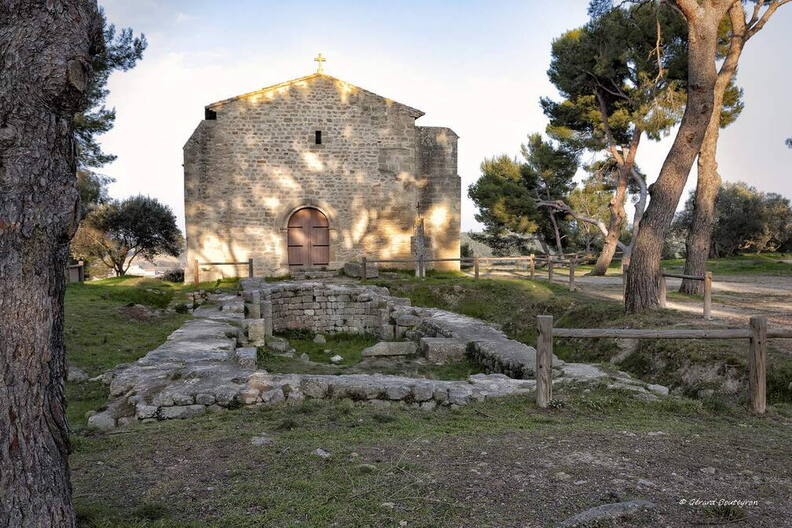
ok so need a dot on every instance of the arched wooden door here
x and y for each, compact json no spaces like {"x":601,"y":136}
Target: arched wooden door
{"x":308,"y":239}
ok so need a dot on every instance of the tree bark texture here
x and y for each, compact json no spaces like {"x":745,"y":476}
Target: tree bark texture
{"x":46,"y":49}
{"x":642,"y":283}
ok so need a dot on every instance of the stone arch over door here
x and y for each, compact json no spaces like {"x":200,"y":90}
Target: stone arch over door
{"x":308,"y":239}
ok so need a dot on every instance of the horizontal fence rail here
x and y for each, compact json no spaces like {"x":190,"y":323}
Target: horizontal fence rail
{"x":197,"y":267}
{"x":757,"y":333}
{"x":531,"y":261}
{"x":707,"y":278}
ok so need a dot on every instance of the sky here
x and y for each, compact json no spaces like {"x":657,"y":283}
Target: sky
{"x":478,"y":67}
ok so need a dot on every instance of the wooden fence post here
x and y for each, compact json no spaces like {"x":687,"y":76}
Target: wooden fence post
{"x":532,"y":264}
{"x":550,"y":267}
{"x":250,"y":268}
{"x":363,"y":274}
{"x":544,"y":360}
{"x":708,"y":295}
{"x":663,"y":291}
{"x":572,"y":264}
{"x":476,"y":267}
{"x":757,"y":365}
{"x":196,"y":272}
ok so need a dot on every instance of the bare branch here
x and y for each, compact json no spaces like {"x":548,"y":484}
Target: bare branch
{"x":561,"y":206}
{"x":756,"y":10}
{"x":755,"y":28}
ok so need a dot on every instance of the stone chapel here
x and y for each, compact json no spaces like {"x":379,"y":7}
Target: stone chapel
{"x":313,"y":173}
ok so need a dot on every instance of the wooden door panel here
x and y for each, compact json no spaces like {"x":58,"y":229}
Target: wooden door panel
{"x":308,"y":238}
{"x":320,"y":236}
{"x":296,"y":256}
{"x":320,"y":255}
{"x":297,"y":236}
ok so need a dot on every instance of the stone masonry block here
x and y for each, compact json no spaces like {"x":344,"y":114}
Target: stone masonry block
{"x":439,"y":350}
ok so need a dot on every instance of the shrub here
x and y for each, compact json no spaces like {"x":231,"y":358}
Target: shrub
{"x":174,"y":275}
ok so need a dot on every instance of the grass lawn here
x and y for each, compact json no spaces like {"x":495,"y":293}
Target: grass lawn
{"x":500,"y":463}
{"x":757,"y":263}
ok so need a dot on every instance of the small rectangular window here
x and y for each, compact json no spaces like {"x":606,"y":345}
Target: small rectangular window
{"x":318,"y":137}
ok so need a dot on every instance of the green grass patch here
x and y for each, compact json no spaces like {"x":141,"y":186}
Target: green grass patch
{"x":348,"y":346}
{"x":100,"y":334}
{"x":756,"y":263}
{"x":205,"y":472}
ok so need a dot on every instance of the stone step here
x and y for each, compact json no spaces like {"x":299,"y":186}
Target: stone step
{"x":314,"y":274}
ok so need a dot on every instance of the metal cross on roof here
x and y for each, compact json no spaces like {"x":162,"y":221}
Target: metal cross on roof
{"x":319,"y":60}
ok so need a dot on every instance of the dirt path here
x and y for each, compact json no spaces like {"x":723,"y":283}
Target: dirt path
{"x":735,"y":298}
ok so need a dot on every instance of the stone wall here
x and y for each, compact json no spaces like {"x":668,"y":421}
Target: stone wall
{"x":326,"y":308}
{"x":256,"y":161}
{"x":440,"y":202}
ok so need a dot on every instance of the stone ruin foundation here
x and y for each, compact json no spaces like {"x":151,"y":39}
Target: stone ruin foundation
{"x":209,"y":363}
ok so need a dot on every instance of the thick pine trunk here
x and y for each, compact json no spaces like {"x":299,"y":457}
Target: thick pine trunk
{"x":617,"y":216}
{"x":642,"y":291}
{"x":700,"y":234}
{"x":699,"y":240}
{"x":45,"y":62}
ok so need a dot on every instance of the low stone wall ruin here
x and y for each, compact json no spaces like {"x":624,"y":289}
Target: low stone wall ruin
{"x":332,"y":308}
{"x":205,"y":366}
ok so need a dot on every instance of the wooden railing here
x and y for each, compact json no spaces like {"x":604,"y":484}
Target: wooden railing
{"x":531,"y":262}
{"x":757,"y":333}
{"x":197,"y":267}
{"x":707,"y":278}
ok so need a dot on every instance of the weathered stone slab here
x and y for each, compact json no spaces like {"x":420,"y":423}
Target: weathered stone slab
{"x":439,"y":350}
{"x":181,"y":411}
{"x":390,"y":348}
{"x":355,"y":270}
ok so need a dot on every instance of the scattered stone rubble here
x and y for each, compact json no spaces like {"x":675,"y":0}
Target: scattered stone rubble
{"x":209,"y":364}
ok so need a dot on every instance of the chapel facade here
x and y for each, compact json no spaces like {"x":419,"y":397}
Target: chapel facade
{"x":313,"y":173}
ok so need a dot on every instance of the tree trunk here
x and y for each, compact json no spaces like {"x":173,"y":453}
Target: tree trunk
{"x":617,"y":216}
{"x":559,"y":247}
{"x":46,"y":50}
{"x":642,"y":291}
{"x":699,"y":237}
{"x":700,"y":233}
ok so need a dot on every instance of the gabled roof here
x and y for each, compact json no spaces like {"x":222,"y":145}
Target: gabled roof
{"x":414,"y":112}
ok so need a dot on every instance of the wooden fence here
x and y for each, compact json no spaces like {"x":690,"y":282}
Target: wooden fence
{"x":707,"y":278}
{"x":197,"y":267}
{"x":530,"y":263}
{"x":75,"y":272}
{"x":757,"y":333}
